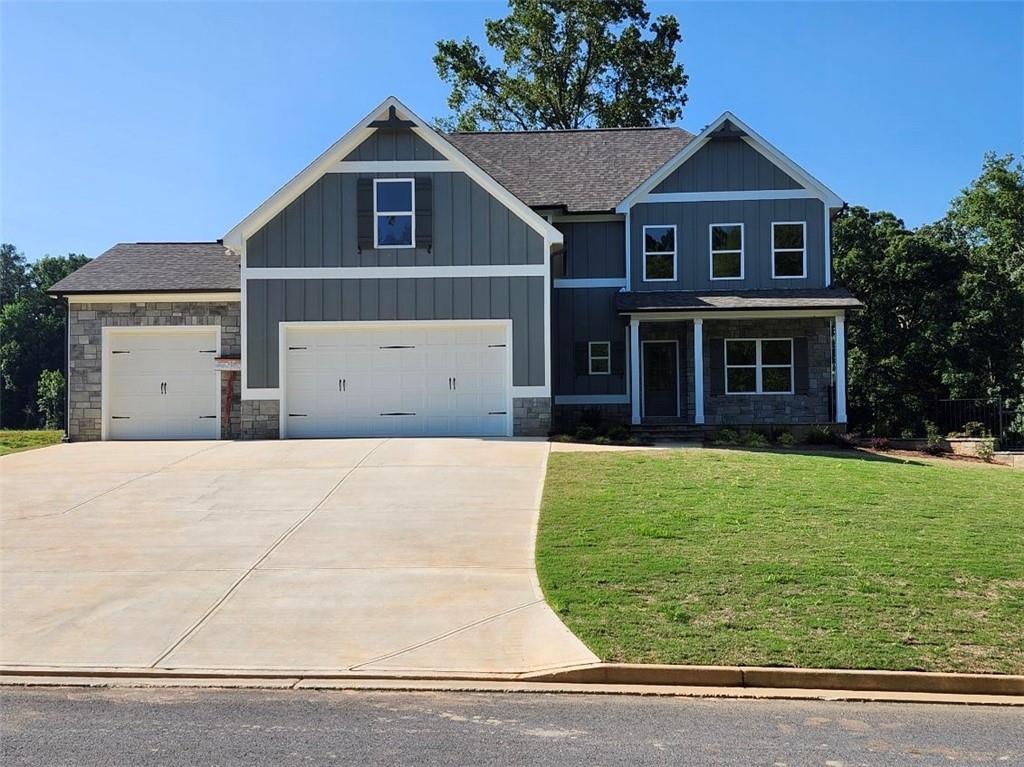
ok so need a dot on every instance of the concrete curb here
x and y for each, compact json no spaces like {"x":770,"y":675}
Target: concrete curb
{"x":786,"y":678}
{"x":579,"y":678}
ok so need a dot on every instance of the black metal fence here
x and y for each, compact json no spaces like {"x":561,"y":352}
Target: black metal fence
{"x":952,"y":415}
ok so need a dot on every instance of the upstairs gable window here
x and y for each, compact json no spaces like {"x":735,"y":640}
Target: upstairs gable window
{"x":394,"y":215}
{"x":789,"y":250}
{"x":659,"y":253}
{"x":726,"y":251}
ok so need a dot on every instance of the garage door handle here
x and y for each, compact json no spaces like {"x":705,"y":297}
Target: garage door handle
{"x":163,"y":388}
{"x":455,"y":383}
{"x":342,"y":384}
{"x":449,"y":383}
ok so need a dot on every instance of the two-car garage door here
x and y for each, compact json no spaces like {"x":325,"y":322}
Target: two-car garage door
{"x":420,"y":378}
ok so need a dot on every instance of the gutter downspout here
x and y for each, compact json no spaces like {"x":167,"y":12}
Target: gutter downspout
{"x":67,"y":369}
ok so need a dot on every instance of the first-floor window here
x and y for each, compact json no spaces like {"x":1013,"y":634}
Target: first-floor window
{"x":759,"y":366}
{"x":727,"y":251}
{"x":600,"y":354}
{"x":393,"y":213}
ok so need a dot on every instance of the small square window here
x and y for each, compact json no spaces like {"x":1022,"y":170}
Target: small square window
{"x":789,"y":254}
{"x":394,"y":213}
{"x":726,"y":251}
{"x":659,"y":253}
{"x":600,"y":358}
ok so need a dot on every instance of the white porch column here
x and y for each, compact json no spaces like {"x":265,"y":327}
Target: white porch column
{"x":698,"y":370}
{"x":841,"y":368}
{"x":634,"y":369}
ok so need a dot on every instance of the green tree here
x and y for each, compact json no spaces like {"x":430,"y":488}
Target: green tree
{"x":986,"y":221}
{"x":31,"y":336}
{"x":898,"y":342}
{"x":566,"y":64}
{"x":50,"y":399}
{"x":13,"y":273}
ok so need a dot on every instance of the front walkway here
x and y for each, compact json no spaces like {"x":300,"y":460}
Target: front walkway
{"x":327,"y":555}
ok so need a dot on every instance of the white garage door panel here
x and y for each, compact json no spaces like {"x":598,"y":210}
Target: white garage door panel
{"x":162,"y":385}
{"x":410,"y":380}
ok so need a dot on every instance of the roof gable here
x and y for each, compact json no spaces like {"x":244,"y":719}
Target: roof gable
{"x":728,"y":127}
{"x":390,"y":115}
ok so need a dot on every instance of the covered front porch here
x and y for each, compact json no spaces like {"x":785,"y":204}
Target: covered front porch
{"x":710,"y":366}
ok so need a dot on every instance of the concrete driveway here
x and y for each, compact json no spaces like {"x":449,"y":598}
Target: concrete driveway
{"x":365,"y":555}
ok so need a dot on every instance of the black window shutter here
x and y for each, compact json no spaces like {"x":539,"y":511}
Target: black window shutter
{"x":801,"y":379}
{"x":424,"y":212}
{"x":716,"y":352}
{"x":581,"y":357}
{"x":364,"y":213}
{"x":618,"y":358}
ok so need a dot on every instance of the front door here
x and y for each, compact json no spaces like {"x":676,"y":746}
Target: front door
{"x":661,"y":383}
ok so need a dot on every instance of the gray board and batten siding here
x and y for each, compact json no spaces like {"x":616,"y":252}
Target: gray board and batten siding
{"x":692,"y":221}
{"x":391,"y":144}
{"x":521,"y":299}
{"x":579,"y":316}
{"x":726,"y":165}
{"x":593,"y":249}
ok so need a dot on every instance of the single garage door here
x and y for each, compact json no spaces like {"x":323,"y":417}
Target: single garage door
{"x":416,"y":379}
{"x":161,"y":384}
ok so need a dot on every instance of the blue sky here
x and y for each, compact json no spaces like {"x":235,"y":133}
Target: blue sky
{"x":145,"y":121}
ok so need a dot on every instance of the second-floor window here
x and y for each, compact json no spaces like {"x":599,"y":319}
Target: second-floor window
{"x":394,"y":218}
{"x":659,"y":253}
{"x":789,"y":251}
{"x":726,"y":251}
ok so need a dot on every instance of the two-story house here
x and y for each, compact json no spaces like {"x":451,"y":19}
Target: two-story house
{"x":410,"y":282}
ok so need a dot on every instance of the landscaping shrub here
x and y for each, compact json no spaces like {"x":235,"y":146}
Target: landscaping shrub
{"x":907,"y":434}
{"x":50,"y":398}
{"x":820,"y":435}
{"x":786,"y":439}
{"x":934,"y":444}
{"x":971,"y":429}
{"x":881,"y":443}
{"x":602,"y":440}
{"x":585,"y":432}
{"x":985,"y":450}
{"x":618,"y":433}
{"x":727,"y":437}
{"x":755,"y":439}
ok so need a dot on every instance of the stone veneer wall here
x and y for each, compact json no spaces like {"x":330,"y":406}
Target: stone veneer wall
{"x":754,"y":409}
{"x":261,"y":419}
{"x":531,"y":416}
{"x":85,"y":373}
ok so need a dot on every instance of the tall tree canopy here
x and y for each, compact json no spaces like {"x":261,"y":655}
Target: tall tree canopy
{"x":566,"y":64}
{"x":31,"y":330}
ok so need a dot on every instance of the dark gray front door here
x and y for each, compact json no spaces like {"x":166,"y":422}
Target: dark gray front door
{"x":661,"y":383}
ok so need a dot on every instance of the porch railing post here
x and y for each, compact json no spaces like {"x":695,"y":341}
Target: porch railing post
{"x":698,"y":371}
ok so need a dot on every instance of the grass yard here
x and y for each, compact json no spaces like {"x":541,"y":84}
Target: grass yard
{"x":12,"y":441}
{"x":786,"y":559}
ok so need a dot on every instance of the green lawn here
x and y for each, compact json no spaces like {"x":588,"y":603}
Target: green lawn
{"x":786,"y":559}
{"x":13,"y":440}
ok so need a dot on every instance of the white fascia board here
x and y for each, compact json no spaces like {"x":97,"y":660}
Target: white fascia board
{"x":132,"y":298}
{"x":327,"y":161}
{"x":755,"y":140}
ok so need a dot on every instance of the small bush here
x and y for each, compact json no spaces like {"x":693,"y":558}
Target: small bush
{"x":786,"y":439}
{"x":881,"y":443}
{"x":985,"y":450}
{"x":602,"y":440}
{"x":975,"y":429}
{"x":819,"y":435}
{"x":934,"y":443}
{"x":907,"y":434}
{"x":727,"y":437}
{"x":585,"y":432}
{"x":618,"y":433}
{"x":565,"y":438}
{"x":754,"y":439}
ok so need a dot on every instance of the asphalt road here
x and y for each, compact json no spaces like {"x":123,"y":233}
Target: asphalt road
{"x":75,"y":726}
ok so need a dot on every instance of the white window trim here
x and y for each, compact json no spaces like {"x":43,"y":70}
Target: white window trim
{"x":802,"y":251}
{"x":759,"y":367}
{"x":712,"y":251}
{"x":591,"y":357}
{"x":675,"y":252}
{"x":411,"y":212}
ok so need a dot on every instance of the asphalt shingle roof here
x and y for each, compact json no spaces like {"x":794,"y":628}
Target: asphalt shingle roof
{"x":682,"y":300}
{"x":153,"y":267}
{"x":583,"y":171}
